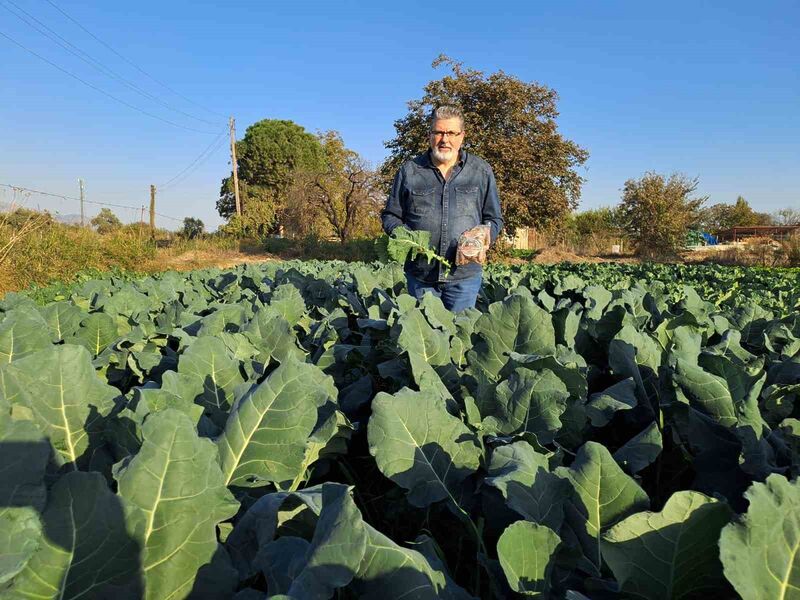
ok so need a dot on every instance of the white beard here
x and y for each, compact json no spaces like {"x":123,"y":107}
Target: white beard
{"x":440,"y":156}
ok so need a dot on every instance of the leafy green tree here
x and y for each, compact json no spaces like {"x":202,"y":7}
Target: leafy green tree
{"x":344,"y":192}
{"x":511,"y":124}
{"x":719,"y":217}
{"x":596,"y":221}
{"x":192,"y":228}
{"x":270,"y":154}
{"x":743,"y":215}
{"x":106,"y":221}
{"x":657,"y":212}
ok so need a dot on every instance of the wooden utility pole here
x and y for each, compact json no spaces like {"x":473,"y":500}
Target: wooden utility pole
{"x":232,"y":125}
{"x":80,"y":183}
{"x":152,"y":211}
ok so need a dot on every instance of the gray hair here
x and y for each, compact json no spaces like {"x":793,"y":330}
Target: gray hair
{"x":446,"y":112}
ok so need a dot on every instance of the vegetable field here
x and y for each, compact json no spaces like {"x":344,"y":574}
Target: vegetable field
{"x":308,"y":430}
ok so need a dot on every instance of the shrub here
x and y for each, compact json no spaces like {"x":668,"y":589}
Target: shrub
{"x":657,"y":213}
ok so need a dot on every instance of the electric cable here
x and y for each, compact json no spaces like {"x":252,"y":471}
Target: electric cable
{"x":102,"y":91}
{"x":205,"y":154}
{"x":131,"y":63}
{"x":54,"y":36}
{"x":41,"y":193}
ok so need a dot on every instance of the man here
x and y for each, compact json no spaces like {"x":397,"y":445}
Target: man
{"x":445,"y":191}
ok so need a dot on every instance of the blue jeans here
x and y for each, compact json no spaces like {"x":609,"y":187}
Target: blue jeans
{"x":456,"y":295}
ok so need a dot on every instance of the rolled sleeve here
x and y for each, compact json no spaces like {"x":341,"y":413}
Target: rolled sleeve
{"x":392,"y":213}
{"x":492,"y":215}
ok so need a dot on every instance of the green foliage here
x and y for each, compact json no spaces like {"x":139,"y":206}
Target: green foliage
{"x":422,"y":448}
{"x":405,"y":243}
{"x":83,"y":519}
{"x":719,"y":217}
{"x":342,"y":195}
{"x":105,"y":221}
{"x":267,"y":437}
{"x":270,"y":154}
{"x":175,"y":486}
{"x":657,"y":212}
{"x":511,"y":124}
{"x":527,"y":554}
{"x":192,"y":228}
{"x":760,"y":553}
{"x":308,"y":429}
{"x":313,"y":248}
{"x":649,"y":552}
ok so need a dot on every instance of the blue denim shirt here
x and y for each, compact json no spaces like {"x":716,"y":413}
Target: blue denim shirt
{"x":421,"y":198}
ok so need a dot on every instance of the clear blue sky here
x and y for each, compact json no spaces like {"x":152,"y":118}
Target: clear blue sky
{"x":708,"y":89}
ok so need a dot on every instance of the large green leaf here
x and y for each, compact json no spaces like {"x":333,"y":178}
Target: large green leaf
{"x":207,"y":361}
{"x":416,"y":336}
{"x":729,"y":403}
{"x":635,"y":353}
{"x":516,"y":324}
{"x":385,"y":570}
{"x":641,"y":450}
{"x":23,"y":458}
{"x":670,"y":554}
{"x":602,"y":496}
{"x":405,"y":243}
{"x":602,"y":406}
{"x":67,"y":399}
{"x":22,"y":332}
{"x":421,"y":447}
{"x":526,"y":552}
{"x":87,"y":543}
{"x":276,"y":513}
{"x":437,"y":315}
{"x":96,"y":332}
{"x":528,"y":401}
{"x":177,"y":485}
{"x":336,"y":549}
{"x":461,"y":342}
{"x":64,"y":319}
{"x":267,"y":434}
{"x":273,"y":336}
{"x":225,"y":317}
{"x":287,"y":301}
{"x":761,"y":553}
{"x":389,"y":571}
{"x":522,"y":475}
{"x":281,"y":561}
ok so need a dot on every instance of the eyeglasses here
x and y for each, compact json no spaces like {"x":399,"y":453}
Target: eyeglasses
{"x":441,"y":134}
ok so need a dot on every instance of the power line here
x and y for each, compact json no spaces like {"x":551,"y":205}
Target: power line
{"x":18,"y":188}
{"x":130,"y":62}
{"x":54,"y":36}
{"x":102,"y":91}
{"x":204,"y":155}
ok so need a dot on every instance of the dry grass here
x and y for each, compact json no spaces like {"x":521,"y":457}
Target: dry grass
{"x":35,"y":250}
{"x":205,"y":258}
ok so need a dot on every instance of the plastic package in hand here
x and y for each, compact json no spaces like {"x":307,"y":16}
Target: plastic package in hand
{"x":473,"y":244}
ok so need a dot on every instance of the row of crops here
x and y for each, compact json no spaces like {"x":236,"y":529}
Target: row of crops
{"x":308,"y":430}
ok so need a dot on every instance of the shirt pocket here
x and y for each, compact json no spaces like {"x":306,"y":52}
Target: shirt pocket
{"x":421,"y":201}
{"x":467,"y":202}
